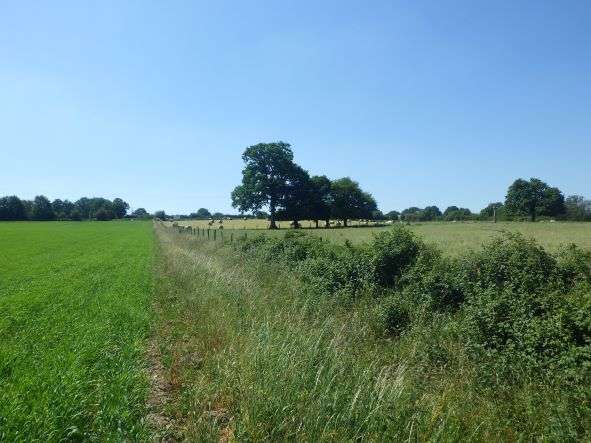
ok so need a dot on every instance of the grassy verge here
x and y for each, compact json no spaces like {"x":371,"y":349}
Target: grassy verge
{"x":75,"y":300}
{"x":249,"y":354}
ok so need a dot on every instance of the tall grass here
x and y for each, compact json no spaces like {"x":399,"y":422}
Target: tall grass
{"x":74,"y":316}
{"x":251,"y":354}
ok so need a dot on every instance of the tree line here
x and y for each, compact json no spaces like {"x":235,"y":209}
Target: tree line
{"x":41,"y":208}
{"x":271,"y":179}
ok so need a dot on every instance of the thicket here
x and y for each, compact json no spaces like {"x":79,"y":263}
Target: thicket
{"x":519,"y":312}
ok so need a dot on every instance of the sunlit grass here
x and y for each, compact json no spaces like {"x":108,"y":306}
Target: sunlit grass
{"x":453,"y":238}
{"x":74,"y":303}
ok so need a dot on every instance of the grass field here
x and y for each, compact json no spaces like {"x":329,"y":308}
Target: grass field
{"x":75,"y":304}
{"x":453,"y":238}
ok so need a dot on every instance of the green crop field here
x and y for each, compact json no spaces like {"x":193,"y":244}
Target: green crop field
{"x":453,"y":238}
{"x":75,"y":312}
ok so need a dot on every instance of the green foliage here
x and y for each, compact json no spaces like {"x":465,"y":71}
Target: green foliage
{"x":392,"y":215}
{"x":321,"y":198}
{"x":12,"y":208}
{"x":119,"y":208}
{"x":160,"y":215}
{"x":349,"y":201}
{"x":104,"y":215}
{"x":578,"y":208}
{"x":533,"y":198}
{"x":42,"y":209}
{"x":140,"y":213}
{"x":202,"y":213}
{"x":394,"y":316}
{"x":266,"y":178}
{"x":393,"y":252}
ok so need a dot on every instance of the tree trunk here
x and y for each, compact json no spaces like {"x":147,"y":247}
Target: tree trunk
{"x":272,"y":216}
{"x":327,"y":223}
{"x":316,"y":221}
{"x":345,"y":223}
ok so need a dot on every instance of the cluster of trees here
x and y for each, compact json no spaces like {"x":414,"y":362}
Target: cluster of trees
{"x":534,"y":198}
{"x":525,"y":199}
{"x":41,"y":208}
{"x":271,"y":179}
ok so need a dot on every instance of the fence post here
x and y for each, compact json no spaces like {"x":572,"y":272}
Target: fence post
{"x":214,"y":234}
{"x":208,"y":233}
{"x":231,"y":237}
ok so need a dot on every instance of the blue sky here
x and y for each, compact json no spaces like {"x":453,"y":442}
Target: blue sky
{"x":423,"y":102}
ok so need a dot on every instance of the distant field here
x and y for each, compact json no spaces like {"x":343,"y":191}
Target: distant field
{"x":451,"y":237}
{"x":74,"y":303}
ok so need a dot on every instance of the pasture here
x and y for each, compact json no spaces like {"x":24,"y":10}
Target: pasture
{"x":75,"y":303}
{"x":453,"y":238}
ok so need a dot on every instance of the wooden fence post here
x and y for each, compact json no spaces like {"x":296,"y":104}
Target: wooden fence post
{"x":208,"y":233}
{"x":231,"y":237}
{"x":214,"y":234}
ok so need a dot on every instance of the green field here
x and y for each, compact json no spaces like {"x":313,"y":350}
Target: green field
{"x":240,"y":349}
{"x":453,"y":238}
{"x":75,"y":304}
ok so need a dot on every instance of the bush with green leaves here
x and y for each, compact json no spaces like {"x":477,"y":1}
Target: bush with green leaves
{"x":526,"y":308}
{"x":394,"y":315}
{"x":392,"y":253}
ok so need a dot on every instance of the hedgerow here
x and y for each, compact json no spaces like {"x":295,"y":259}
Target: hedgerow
{"x":518,"y":307}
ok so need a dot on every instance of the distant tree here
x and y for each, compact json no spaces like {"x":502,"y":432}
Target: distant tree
{"x":141,"y":213}
{"x":349,"y":201}
{"x":58,"y":209}
{"x":295,"y":204}
{"x":260,"y":215}
{"x":459,"y":214}
{"x":450,"y":210}
{"x":376,"y":214}
{"x":28,"y":205}
{"x":411,"y":214}
{"x":160,"y":215}
{"x":104,"y":214}
{"x":431,"y":213}
{"x":532,"y":198}
{"x":217,"y":215}
{"x":490,"y":209}
{"x":42,"y":209}
{"x":119,"y":208}
{"x":577,"y":208}
{"x":320,"y":199}
{"x":393,"y":215}
{"x":265,"y":178}
{"x":84,"y":208}
{"x":202,"y":213}
{"x":12,"y":208}
{"x":75,"y":215}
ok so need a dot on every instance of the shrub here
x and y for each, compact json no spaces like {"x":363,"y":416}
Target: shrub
{"x":346,"y":273}
{"x":512,"y":262}
{"x":435,"y":280}
{"x":392,"y":253}
{"x":394,"y":316}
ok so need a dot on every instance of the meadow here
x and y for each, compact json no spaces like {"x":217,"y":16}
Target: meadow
{"x":452,"y":238}
{"x":75,"y":304}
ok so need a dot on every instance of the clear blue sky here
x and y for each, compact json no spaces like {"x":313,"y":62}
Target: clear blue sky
{"x":423,"y":102}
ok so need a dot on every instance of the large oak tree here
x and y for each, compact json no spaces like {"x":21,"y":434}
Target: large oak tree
{"x":267,"y":178}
